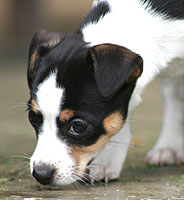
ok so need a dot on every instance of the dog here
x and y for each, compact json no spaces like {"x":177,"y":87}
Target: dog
{"x":84,"y":87}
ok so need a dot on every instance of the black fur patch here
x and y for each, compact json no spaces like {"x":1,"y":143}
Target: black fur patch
{"x":95,"y":14}
{"x":75,"y":73}
{"x":113,"y":65}
{"x":167,"y":8}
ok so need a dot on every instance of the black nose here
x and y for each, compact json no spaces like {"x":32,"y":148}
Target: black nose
{"x":43,"y":174}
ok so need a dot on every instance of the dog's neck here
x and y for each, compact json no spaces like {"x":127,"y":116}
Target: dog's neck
{"x":121,"y":26}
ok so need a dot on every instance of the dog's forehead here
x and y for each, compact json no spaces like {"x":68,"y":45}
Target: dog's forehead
{"x":70,"y":49}
{"x":63,"y":65}
{"x":69,"y":59}
{"x":49,"y":96}
{"x":62,"y":89}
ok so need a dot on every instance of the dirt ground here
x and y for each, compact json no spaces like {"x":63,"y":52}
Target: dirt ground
{"x":17,"y":139}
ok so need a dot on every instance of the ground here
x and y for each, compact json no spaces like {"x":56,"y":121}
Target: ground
{"x":17,"y":138}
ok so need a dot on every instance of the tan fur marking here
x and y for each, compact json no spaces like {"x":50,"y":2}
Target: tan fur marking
{"x":66,"y":115}
{"x":110,"y":47}
{"x":82,"y":155}
{"x":113,"y":123}
{"x":34,"y":106}
{"x":34,"y":57}
{"x":136,"y":73}
{"x":129,"y":56}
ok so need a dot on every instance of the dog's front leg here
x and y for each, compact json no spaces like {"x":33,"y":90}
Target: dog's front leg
{"x":109,"y":163}
{"x":170,"y":147}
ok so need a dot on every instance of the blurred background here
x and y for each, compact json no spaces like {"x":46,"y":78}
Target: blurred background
{"x":19,"y":19}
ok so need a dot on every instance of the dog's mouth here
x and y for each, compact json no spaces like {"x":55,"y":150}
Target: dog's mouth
{"x":49,"y":175}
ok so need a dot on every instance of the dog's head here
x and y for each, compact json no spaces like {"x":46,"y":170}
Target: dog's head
{"x":79,"y":99}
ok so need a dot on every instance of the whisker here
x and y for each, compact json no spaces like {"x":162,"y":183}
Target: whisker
{"x":27,"y":156}
{"x":77,"y":176}
{"x":84,"y":179}
{"x":75,"y":182}
{"x":93,"y":166}
{"x":26,"y":162}
{"x":15,"y":106}
{"x":19,"y":156}
{"x":118,"y":144}
{"x":87,"y":176}
{"x":71,"y":186}
{"x":96,"y":165}
{"x":25,"y":171}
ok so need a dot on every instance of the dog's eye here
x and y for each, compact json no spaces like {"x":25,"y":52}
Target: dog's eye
{"x":77,"y":126}
{"x":35,"y":119}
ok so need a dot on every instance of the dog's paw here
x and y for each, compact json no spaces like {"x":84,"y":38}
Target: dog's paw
{"x":97,"y":173}
{"x":165,"y":156}
{"x":108,"y":164}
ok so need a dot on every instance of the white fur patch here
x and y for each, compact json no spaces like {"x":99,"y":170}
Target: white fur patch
{"x":49,"y":96}
{"x":50,"y":149}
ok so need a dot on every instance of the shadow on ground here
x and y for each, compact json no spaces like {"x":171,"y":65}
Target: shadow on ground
{"x":18,"y":139}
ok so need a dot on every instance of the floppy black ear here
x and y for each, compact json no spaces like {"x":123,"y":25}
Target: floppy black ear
{"x":113,"y":66}
{"x":41,"y":43}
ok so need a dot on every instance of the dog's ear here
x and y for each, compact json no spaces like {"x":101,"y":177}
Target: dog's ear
{"x":41,"y":43}
{"x":113,"y":66}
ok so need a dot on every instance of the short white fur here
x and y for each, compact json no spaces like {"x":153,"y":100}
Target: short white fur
{"x":49,"y":97}
{"x":50,"y":150}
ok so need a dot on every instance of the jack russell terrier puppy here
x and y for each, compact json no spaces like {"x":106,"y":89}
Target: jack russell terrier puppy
{"x":84,"y":86}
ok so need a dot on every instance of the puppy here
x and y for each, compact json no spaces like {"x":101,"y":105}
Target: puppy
{"x":84,"y":86}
